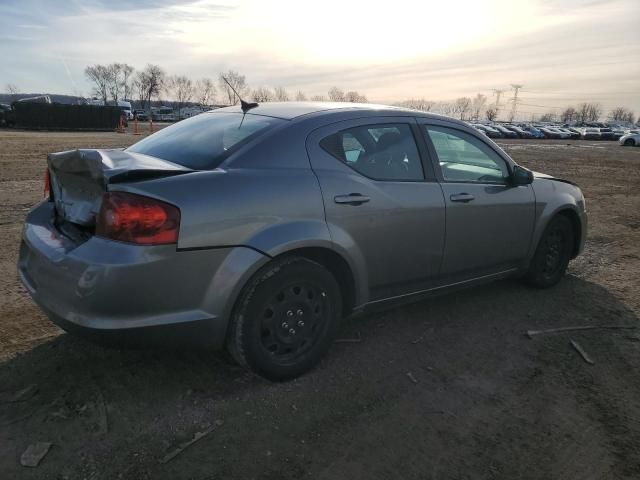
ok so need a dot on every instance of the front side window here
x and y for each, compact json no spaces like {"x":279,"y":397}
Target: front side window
{"x":203,"y":141}
{"x":381,"y":152}
{"x":464,"y":158}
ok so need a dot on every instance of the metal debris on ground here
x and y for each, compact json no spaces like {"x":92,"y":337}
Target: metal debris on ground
{"x":356,"y":339}
{"x":183,"y":446}
{"x":533,"y":333}
{"x":582,"y":353}
{"x":34,"y":454}
{"x":411,"y":377}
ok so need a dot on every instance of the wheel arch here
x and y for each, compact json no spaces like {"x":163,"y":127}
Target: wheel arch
{"x":337,"y":265}
{"x":573,"y":217}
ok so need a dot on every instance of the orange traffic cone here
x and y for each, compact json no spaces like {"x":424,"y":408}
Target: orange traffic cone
{"x":120,"y":128}
{"x":135,"y":127}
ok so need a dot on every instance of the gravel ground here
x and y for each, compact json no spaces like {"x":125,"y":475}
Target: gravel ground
{"x":482,"y":400}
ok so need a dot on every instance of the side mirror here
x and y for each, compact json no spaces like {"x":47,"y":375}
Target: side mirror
{"x":521,"y":176}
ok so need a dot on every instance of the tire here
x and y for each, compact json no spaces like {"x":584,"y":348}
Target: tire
{"x":553,"y":253}
{"x":629,"y":142}
{"x":285,"y":319}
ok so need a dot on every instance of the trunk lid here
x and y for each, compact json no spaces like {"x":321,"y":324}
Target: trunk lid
{"x":80,"y":177}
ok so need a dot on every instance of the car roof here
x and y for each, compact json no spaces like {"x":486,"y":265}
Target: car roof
{"x":291,"y":110}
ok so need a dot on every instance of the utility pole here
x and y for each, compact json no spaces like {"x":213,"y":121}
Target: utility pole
{"x":514,"y":99}
{"x":497,"y":93}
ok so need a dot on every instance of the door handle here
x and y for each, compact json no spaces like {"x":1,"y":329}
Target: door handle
{"x":462,"y":197}
{"x":351,"y":199}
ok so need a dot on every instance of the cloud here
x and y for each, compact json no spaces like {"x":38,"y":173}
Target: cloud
{"x":561,"y":53}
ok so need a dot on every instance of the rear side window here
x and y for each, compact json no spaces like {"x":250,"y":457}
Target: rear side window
{"x":204,"y":141}
{"x":381,"y":151}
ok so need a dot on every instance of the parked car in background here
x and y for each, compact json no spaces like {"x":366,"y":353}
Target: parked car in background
{"x":141,"y":115}
{"x":607,"y":134}
{"x":487,"y":130}
{"x":572,"y":135}
{"x":550,"y":133}
{"x":505,"y":131}
{"x":260,"y":228}
{"x":477,"y":127}
{"x":522,"y":133}
{"x":618,"y":132}
{"x":536,"y":132}
{"x":630,"y":140}
{"x":591,"y":133}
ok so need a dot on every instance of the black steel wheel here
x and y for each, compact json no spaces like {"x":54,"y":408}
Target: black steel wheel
{"x":552,"y":256}
{"x":285,"y":319}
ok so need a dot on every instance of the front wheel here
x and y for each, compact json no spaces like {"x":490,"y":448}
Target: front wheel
{"x":286,"y":318}
{"x":629,"y":142}
{"x":552,"y":256}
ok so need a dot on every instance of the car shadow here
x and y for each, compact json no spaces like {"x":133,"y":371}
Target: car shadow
{"x":138,"y":403}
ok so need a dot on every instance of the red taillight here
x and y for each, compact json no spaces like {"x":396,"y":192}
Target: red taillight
{"x":132,"y":218}
{"x":47,"y":184}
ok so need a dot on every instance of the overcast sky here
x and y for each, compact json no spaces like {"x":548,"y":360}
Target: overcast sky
{"x":563,"y":51}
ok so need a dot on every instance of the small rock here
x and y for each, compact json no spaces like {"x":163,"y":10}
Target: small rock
{"x":34,"y":454}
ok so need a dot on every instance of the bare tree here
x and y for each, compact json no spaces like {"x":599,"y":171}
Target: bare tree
{"x":300,"y":96}
{"x":569,"y":114}
{"x":630,"y":117}
{"x":595,"y":112}
{"x":127,"y":84}
{"x":549,"y":117}
{"x":478,"y":105}
{"x":261,"y":95}
{"x":113,"y":81}
{"x":318,"y":98}
{"x":204,"y":91}
{"x":100,"y":76}
{"x":336,"y":95}
{"x":280,"y":94}
{"x":148,"y":83}
{"x":180,"y":89}
{"x":445,"y":108}
{"x":354,"y":97}
{"x":462,"y":107}
{"x":491,"y":113}
{"x":237,"y":81}
{"x":417,"y":104}
{"x":589,"y":112}
{"x":621,"y":114}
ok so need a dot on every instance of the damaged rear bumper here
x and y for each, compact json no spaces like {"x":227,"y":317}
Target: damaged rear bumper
{"x":109,"y":290}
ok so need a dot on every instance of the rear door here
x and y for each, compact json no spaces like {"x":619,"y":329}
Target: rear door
{"x":382,"y":201}
{"x":489,"y":221}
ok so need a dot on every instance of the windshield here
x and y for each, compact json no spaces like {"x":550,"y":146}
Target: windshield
{"x":203,"y":141}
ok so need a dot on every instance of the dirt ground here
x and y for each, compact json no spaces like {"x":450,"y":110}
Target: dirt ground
{"x":487,"y":402}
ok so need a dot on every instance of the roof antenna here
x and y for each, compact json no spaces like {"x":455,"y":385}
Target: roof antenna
{"x":243,"y":105}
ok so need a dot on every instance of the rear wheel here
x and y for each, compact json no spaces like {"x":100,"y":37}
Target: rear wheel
{"x":552,"y":256}
{"x":286,"y":318}
{"x":629,"y":142}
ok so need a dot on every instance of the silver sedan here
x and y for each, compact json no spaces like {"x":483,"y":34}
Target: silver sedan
{"x":259,"y":228}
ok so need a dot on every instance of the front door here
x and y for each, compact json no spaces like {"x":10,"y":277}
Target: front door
{"x":489,"y":221}
{"x":379,"y":203}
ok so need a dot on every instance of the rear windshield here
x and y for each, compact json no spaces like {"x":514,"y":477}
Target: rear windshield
{"x":203,"y":141}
